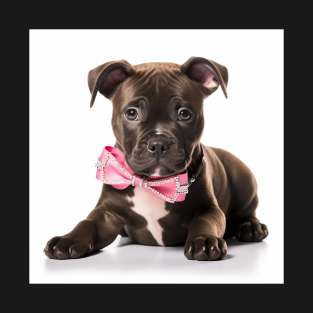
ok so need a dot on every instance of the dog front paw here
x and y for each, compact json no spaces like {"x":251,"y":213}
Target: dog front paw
{"x":207,"y":248}
{"x":68,"y":247}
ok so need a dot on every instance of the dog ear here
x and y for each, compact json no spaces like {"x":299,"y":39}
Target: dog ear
{"x":209,"y":73}
{"x":106,"y":77}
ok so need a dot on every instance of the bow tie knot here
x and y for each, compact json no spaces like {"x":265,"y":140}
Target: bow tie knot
{"x":113,"y":170}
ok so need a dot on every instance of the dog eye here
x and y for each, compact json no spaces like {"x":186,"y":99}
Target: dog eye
{"x":184,"y":114}
{"x":131,"y":114}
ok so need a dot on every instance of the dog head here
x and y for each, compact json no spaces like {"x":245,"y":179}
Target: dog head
{"x":157,"y":109}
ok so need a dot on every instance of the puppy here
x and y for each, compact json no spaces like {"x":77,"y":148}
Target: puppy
{"x":161,"y":186}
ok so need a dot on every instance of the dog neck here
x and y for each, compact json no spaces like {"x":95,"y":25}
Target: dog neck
{"x":196,"y":165}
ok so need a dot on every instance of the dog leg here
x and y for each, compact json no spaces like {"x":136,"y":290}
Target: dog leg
{"x":96,"y":232}
{"x":205,"y":237}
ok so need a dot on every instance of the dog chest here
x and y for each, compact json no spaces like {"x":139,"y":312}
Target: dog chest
{"x":152,"y":209}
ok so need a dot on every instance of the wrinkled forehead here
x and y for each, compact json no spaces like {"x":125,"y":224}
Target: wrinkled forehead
{"x":159,"y":83}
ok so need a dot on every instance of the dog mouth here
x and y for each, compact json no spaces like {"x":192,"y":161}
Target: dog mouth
{"x":157,"y":168}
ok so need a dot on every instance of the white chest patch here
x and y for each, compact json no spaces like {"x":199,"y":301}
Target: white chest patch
{"x":152,"y":209}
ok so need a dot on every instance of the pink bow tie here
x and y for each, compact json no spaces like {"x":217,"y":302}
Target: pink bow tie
{"x":112,"y":169}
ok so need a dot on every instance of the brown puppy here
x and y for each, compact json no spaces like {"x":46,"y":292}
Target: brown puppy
{"x":158,"y":121}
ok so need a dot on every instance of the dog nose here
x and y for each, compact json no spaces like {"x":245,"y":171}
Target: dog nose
{"x":158,"y":147}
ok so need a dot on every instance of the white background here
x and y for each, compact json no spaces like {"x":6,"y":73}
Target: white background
{"x":66,"y":137}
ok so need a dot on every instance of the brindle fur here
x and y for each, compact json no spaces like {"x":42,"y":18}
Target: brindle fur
{"x":222,"y":201}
